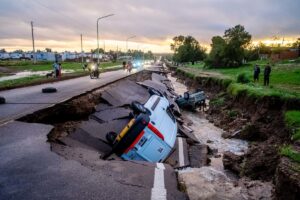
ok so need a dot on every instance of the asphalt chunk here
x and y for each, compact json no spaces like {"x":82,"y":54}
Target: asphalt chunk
{"x":111,"y":114}
{"x":124,"y":93}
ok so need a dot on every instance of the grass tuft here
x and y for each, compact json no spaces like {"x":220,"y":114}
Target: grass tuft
{"x":292,"y":120}
{"x":289,"y":152}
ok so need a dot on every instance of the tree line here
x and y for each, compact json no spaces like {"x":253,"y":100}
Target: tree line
{"x":230,"y":50}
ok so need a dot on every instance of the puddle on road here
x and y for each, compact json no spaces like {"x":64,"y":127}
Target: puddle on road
{"x":24,"y":74}
{"x":209,"y":134}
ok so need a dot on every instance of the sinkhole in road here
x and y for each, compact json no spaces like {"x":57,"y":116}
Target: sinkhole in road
{"x":76,"y":121}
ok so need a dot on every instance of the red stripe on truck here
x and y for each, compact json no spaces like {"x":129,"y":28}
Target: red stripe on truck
{"x":135,"y":141}
{"x":154,"y":130}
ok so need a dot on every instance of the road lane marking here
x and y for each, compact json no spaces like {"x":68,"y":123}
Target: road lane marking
{"x":159,"y":191}
{"x":180,"y":152}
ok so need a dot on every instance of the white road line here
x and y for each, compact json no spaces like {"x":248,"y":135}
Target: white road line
{"x":180,"y":152}
{"x":159,"y":191}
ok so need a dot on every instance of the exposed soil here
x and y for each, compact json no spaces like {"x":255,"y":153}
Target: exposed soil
{"x":66,"y":116}
{"x":259,"y":121}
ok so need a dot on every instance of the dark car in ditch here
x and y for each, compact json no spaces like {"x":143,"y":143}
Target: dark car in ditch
{"x":191,"y":99}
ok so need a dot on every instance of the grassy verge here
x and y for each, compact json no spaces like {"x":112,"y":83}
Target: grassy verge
{"x":284,"y":79}
{"x":36,"y":79}
{"x":47,"y":66}
{"x":289,"y":152}
{"x":292,"y":119}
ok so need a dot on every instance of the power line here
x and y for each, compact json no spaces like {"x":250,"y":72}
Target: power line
{"x":62,"y":14}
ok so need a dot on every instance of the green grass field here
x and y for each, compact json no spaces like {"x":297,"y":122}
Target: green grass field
{"x":284,"y":79}
{"x":47,"y":66}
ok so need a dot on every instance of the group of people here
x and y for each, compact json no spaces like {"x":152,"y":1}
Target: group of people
{"x":57,"y":69}
{"x":267,"y":72}
{"x":127,"y":66}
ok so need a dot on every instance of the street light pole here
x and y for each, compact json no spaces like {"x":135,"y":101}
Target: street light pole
{"x":98,"y":33}
{"x":81,"y":49}
{"x":127,"y":42}
{"x":33,"y":47}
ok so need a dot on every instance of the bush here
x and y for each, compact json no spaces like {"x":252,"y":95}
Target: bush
{"x":289,"y":152}
{"x":232,"y":113}
{"x":218,"y":102}
{"x":243,"y":78}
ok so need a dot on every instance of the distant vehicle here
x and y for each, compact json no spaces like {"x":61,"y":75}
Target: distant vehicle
{"x":150,"y":135}
{"x":137,"y":63}
{"x":94,"y":70}
{"x":191,"y":100}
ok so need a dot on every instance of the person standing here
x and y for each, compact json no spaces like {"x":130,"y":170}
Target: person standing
{"x":267,"y":73}
{"x":55,"y":69}
{"x":256,"y":73}
{"x":124,"y":65}
{"x":59,"y":70}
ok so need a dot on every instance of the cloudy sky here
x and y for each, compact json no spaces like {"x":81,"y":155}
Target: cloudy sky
{"x":59,"y":23}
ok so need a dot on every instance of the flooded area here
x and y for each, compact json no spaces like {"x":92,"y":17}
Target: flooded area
{"x":213,"y":181}
{"x":24,"y":74}
{"x":207,"y":133}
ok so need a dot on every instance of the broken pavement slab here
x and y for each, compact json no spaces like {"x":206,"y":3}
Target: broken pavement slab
{"x":179,"y":157}
{"x":99,"y":130}
{"x":124,"y":93}
{"x":29,"y":170}
{"x":19,"y":102}
{"x":112,"y":114}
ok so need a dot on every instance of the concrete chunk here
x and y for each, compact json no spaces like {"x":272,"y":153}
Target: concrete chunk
{"x":111,"y":114}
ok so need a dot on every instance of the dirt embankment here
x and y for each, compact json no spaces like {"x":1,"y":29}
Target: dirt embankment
{"x":259,"y":121}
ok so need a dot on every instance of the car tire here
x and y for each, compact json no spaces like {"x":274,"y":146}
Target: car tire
{"x":186,"y":95}
{"x":49,"y":90}
{"x":110,"y":137}
{"x":153,"y":91}
{"x":137,"y":107}
{"x":2,"y":100}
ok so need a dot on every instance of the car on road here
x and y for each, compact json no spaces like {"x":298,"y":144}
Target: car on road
{"x":191,"y":99}
{"x":151,"y":133}
{"x":137,"y":63}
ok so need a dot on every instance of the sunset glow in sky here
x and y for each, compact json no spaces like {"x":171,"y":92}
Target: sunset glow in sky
{"x":59,"y":23}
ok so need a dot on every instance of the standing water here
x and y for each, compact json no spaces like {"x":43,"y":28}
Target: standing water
{"x":208,"y":133}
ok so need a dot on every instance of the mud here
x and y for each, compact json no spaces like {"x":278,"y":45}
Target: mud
{"x":210,"y":178}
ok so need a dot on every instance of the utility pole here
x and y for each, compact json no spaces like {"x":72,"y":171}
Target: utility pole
{"x":104,"y":46}
{"x":98,"y":34}
{"x":34,"y":57}
{"x":81,"y":49}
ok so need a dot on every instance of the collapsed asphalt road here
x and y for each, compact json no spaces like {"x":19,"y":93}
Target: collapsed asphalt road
{"x":74,"y":170}
{"x":23,"y":101}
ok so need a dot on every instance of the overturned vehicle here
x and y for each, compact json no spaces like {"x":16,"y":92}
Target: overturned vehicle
{"x":192,"y":100}
{"x":151,"y":133}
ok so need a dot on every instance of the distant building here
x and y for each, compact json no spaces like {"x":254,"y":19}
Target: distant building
{"x":4,"y":56}
{"x":45,"y":56}
{"x":284,"y":55}
{"x":15,"y":55}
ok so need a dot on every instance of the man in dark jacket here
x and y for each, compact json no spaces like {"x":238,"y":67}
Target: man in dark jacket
{"x":267,"y":73}
{"x":256,"y":73}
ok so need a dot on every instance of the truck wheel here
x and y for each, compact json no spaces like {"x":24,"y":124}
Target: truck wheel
{"x":154,"y":92}
{"x":49,"y":90}
{"x":2,"y":100}
{"x":186,"y":95}
{"x":137,"y":107}
{"x":110,"y":137}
